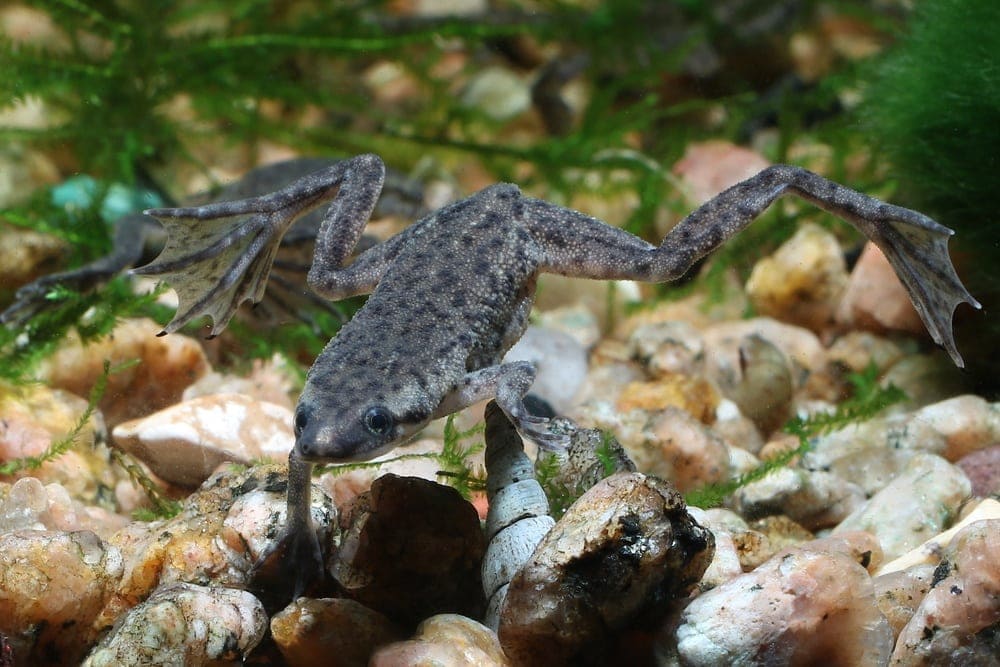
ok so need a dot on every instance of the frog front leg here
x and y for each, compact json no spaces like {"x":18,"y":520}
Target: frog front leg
{"x":507,"y":383}
{"x":916,"y":246}
{"x":219,"y":255}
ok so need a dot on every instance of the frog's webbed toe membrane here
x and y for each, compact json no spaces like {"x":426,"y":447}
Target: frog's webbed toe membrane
{"x":213,"y":263}
{"x":917,"y":248}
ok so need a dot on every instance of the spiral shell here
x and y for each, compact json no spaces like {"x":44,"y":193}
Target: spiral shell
{"x":518,"y":516}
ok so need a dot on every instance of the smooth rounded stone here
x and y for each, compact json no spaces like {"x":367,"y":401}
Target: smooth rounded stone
{"x":184,"y":625}
{"x":445,"y":639}
{"x":968,"y":423}
{"x":898,"y":594}
{"x":28,"y":503}
{"x":668,"y":347}
{"x":813,"y":499}
{"x":956,"y":622}
{"x":670,"y":444}
{"x":913,"y":507}
{"x":930,"y":551}
{"x":873,"y":468}
{"x":591,"y":456}
{"x":575,"y":321}
{"x":168,"y":365}
{"x":857,"y":350}
{"x":813,"y":604}
{"x":53,"y":585}
{"x":802,"y":281}
{"x":982,"y":467}
{"x":767,"y":536}
{"x":709,"y":167}
{"x":738,"y":431}
{"x":560,"y":364}
{"x":725,"y":561}
{"x":622,"y":551}
{"x":221,"y":531}
{"x":606,"y":300}
{"x":897,"y":431}
{"x":722,"y":347}
{"x":272,"y":380}
{"x":186,"y":442}
{"x":311,"y":631}
{"x":412,"y":549}
{"x":691,"y":393}
{"x":875,"y":299}
{"x":604,"y":384}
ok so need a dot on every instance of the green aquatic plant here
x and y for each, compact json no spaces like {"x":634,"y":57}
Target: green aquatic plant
{"x":868,"y":399}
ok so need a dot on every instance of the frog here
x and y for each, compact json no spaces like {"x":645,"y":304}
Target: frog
{"x":137,"y":239}
{"x":451,"y":293}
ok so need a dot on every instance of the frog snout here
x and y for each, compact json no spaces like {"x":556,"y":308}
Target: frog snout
{"x":324,"y":445}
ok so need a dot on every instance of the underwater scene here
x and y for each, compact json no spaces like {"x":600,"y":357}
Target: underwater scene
{"x":499,"y":332}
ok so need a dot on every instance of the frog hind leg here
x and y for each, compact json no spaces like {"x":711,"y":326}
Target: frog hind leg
{"x":916,"y":246}
{"x":220,"y":255}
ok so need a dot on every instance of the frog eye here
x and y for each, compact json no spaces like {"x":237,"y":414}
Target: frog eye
{"x":378,"y":421}
{"x":301,"y":419}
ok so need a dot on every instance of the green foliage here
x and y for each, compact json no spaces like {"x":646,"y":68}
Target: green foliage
{"x":550,"y":476}
{"x":559,"y":494}
{"x":867,"y":401}
{"x":91,"y":315}
{"x":162,"y":506}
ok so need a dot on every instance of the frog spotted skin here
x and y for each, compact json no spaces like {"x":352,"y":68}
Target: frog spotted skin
{"x":452,"y":293}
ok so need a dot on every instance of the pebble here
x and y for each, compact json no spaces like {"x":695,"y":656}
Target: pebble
{"x":271,"y":380}
{"x":412,"y":548}
{"x":223,"y":528}
{"x":576,"y":321}
{"x":311,"y":631}
{"x":184,"y":443}
{"x":813,"y":499}
{"x":168,"y":365}
{"x":692,"y":394}
{"x":802,"y":281}
{"x":956,"y":621}
{"x":445,"y":639}
{"x":899,"y":593}
{"x":53,"y":586}
{"x":623,"y":550}
{"x":184,"y":625}
{"x":28,"y":503}
{"x":875,"y":299}
{"x":560,"y":365}
{"x":813,"y":604}
{"x":709,"y":167}
{"x":857,"y":350}
{"x":25,"y":255}
{"x":764,"y":388}
{"x":669,"y":443}
{"x":982,"y":467}
{"x":668,"y":347}
{"x":607,"y":301}
{"x":916,"y":505}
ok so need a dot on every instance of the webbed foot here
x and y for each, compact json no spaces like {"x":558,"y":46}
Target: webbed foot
{"x":293,"y":567}
{"x":216,"y":257}
{"x":917,"y":248}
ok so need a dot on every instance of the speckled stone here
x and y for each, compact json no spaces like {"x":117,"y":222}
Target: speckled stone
{"x":956,"y":621}
{"x":813,"y":604}
{"x":913,"y":507}
{"x":53,"y":586}
{"x":982,"y":467}
{"x":183,"y":625}
{"x":622,"y":551}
